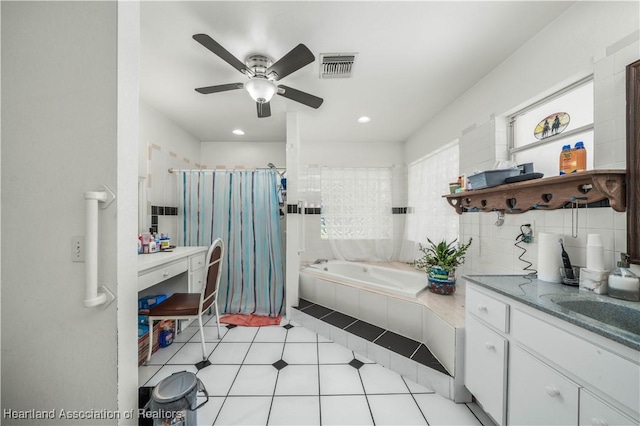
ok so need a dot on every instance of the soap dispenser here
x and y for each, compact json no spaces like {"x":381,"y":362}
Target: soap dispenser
{"x":624,"y":284}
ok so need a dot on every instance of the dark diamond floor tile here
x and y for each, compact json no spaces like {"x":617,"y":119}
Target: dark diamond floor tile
{"x":280,"y":364}
{"x":424,"y":356}
{"x":288,"y":326}
{"x":230,"y":326}
{"x":398,"y":344}
{"x":339,"y":319}
{"x":203,"y":364}
{"x":303,"y":304}
{"x":365,"y":330}
{"x":356,"y":363}
{"x":317,"y":311}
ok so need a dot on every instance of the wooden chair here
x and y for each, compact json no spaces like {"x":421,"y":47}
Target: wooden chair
{"x":184,"y":306}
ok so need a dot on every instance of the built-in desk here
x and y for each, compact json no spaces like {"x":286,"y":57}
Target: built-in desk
{"x":155,"y":268}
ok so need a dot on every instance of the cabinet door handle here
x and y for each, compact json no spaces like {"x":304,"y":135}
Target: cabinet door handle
{"x":552,"y":391}
{"x":482,"y":308}
{"x":490,"y":346}
{"x":165,"y":274}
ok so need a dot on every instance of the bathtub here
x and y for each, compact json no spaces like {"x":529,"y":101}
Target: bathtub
{"x":388,"y":280}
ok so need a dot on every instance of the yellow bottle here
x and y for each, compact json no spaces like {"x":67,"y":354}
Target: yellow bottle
{"x":567,"y":160}
{"x":580,"y":155}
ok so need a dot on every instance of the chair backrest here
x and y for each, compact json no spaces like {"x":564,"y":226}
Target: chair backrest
{"x":213,"y":273}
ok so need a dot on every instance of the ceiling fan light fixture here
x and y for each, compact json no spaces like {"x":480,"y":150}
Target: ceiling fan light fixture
{"x":261,"y":90}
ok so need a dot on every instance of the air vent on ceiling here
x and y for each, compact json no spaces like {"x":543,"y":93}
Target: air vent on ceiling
{"x":336,"y":65}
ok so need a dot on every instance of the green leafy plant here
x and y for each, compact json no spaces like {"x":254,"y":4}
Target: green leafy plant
{"x":445,"y":255}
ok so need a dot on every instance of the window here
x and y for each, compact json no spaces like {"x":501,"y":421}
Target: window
{"x":429,"y":215}
{"x":356,"y":203}
{"x":535,"y":139}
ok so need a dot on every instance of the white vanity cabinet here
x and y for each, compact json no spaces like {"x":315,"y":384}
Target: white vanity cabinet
{"x":196,"y":272}
{"x":545,"y":370}
{"x":486,"y":322}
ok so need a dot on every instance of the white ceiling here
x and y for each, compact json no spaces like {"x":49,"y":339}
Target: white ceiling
{"x":414,"y":58}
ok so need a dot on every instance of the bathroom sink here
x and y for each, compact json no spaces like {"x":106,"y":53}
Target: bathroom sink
{"x":620,"y":316}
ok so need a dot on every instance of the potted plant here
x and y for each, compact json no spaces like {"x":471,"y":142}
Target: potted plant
{"x":440,"y":261}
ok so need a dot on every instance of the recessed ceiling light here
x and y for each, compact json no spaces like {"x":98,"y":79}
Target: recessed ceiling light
{"x":364,"y":119}
{"x":238,"y":132}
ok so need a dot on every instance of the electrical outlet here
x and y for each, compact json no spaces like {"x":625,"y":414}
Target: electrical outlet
{"x":77,"y":249}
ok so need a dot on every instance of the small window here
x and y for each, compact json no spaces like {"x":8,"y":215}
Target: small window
{"x":538,"y":132}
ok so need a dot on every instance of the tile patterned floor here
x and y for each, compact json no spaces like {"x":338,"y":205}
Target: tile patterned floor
{"x":288,"y":375}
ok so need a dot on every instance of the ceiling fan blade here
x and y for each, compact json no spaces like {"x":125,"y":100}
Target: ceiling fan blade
{"x":264,"y":109}
{"x":299,"y":96}
{"x":297,"y":58}
{"x":219,"y":88}
{"x":223,"y":53}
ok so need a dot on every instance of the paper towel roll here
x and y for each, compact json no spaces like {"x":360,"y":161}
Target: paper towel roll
{"x":549,"y":257}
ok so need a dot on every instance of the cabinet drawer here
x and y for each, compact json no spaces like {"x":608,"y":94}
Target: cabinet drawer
{"x":594,"y":412}
{"x":162,"y":273}
{"x":595,"y":365}
{"x":485,"y":367}
{"x":538,"y":395}
{"x":197,"y":261}
{"x":488,"y":309}
{"x":196,"y":282}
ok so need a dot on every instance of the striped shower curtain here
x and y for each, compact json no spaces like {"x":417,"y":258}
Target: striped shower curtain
{"x":242,"y":208}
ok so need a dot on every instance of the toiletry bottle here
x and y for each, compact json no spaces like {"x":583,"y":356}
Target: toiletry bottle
{"x":580,"y":155}
{"x":565,"y":160}
{"x":140,"y":244}
{"x":624,"y":284}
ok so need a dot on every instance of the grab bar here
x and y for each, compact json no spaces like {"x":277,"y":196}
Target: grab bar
{"x":92,"y":198}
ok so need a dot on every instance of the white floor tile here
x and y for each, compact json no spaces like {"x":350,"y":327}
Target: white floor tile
{"x":191,"y":353}
{"x":442,"y":411}
{"x":229,"y":353}
{"x":345,"y":410}
{"x":379,"y":380}
{"x":416,"y":388}
{"x":301,"y":334}
{"x":395,"y":410}
{"x":210,"y":334}
{"x":145,"y":372}
{"x":162,"y":355}
{"x":264,"y":353}
{"x":217,"y":379}
{"x":255,"y":380}
{"x":295,"y":410}
{"x":168,"y":370}
{"x":244,"y":411}
{"x":207,"y":414}
{"x":185,"y":335}
{"x":241,"y":334}
{"x":300,"y":353}
{"x":339,"y":380}
{"x":274,"y":333}
{"x":298,"y":380}
{"x":333,"y":353}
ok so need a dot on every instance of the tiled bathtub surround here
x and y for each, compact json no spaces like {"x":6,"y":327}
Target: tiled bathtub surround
{"x":434,"y":320}
{"x":279,"y":375}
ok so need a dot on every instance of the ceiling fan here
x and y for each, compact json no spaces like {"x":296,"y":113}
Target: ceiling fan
{"x":262,"y":73}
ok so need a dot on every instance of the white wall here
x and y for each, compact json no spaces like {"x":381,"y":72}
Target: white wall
{"x":249,"y":155}
{"x":163,"y":145}
{"x":60,"y":139}
{"x":597,"y":38}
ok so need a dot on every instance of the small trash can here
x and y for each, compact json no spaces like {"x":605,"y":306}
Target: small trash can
{"x":174,"y":400}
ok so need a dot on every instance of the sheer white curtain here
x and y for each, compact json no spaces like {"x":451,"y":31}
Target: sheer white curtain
{"x":356,"y":210}
{"x":428,"y":214}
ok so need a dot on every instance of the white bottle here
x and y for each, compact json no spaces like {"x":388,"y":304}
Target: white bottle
{"x":152,"y":245}
{"x":624,"y":284}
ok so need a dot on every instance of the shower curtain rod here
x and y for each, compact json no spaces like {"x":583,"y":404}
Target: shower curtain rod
{"x":172,"y":170}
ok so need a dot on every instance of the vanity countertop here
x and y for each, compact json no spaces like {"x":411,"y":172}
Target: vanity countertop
{"x":545,"y":296}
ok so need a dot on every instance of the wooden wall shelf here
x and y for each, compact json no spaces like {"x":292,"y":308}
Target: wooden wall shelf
{"x":546,"y":194}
